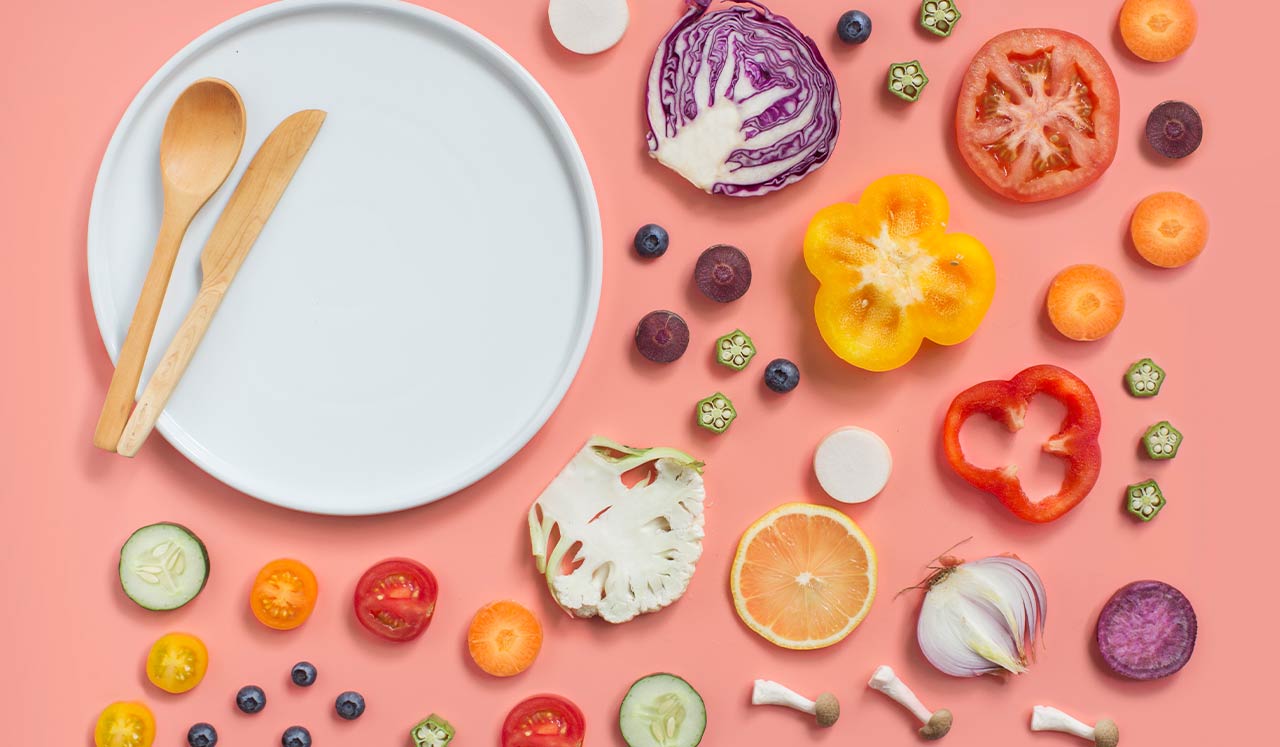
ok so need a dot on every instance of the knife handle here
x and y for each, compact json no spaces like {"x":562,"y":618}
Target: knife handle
{"x":172,"y":366}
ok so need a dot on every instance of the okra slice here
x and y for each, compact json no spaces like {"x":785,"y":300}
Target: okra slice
{"x":939,"y":17}
{"x":735,"y":350}
{"x":1144,"y":378}
{"x":432,"y":731}
{"x":715,"y":413}
{"x":1162,"y":440}
{"x":1144,"y":500}
{"x":907,"y":80}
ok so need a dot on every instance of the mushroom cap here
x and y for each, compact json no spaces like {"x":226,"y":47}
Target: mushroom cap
{"x":827,"y":709}
{"x":938,"y":726}
{"x":1106,"y":733}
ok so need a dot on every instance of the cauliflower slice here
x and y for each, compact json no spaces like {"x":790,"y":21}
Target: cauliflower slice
{"x":634,"y":548}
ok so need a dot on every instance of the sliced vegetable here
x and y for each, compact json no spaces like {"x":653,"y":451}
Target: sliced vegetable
{"x":1038,"y":114}
{"x":936,"y":724}
{"x":939,"y":17}
{"x":1006,"y":402}
{"x":982,"y":617}
{"x":1102,"y":734}
{"x":907,"y":80}
{"x":1162,"y":441}
{"x":891,"y":276}
{"x":852,"y":464}
{"x":588,"y":26}
{"x":735,"y":350}
{"x":662,"y":710}
{"x":1085,"y":302}
{"x":723,"y":273}
{"x":544,"y":721}
{"x":662,"y":336}
{"x":125,"y":724}
{"x":781,"y":375}
{"x":715,"y":413}
{"x":1144,"y":500}
{"x":804,"y":576}
{"x":251,"y":699}
{"x":396,"y":599}
{"x":283,"y":594}
{"x":854,"y":27}
{"x":740,"y":102}
{"x":163,"y":566}
{"x":1144,"y":378}
{"x":651,"y":241}
{"x":1158,"y":30}
{"x":432,"y":731}
{"x":825,"y":710}
{"x":177,"y":662}
{"x":621,"y":551}
{"x":1147,"y":630}
{"x":1169,"y":229}
{"x":504,"y":638}
{"x":1174,"y":129}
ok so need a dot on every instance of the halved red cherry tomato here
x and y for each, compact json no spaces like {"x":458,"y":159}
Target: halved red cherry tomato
{"x":125,"y":724}
{"x":1038,"y":114}
{"x":177,"y":662}
{"x":544,"y":721}
{"x":283,"y":594}
{"x":396,"y":598}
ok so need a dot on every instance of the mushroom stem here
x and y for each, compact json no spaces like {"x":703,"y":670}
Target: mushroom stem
{"x":936,"y":724}
{"x":1045,"y":718}
{"x":825,"y":709}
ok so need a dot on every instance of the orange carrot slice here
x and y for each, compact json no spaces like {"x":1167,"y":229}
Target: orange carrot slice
{"x":1158,"y":30}
{"x":1169,"y":229}
{"x":504,"y":638}
{"x":1085,"y":302}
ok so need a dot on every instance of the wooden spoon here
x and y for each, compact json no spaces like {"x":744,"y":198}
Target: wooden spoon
{"x":200,"y":145}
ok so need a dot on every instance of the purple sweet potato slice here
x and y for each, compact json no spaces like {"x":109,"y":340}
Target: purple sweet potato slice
{"x":1147,"y":630}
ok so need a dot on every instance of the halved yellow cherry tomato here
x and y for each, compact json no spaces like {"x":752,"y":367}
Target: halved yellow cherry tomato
{"x":125,"y":724}
{"x":283,"y":594}
{"x":892,"y":276}
{"x":177,"y":662}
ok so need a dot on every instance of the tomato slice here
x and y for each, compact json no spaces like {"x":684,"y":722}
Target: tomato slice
{"x":125,"y":724}
{"x":283,"y":594}
{"x":544,"y":721}
{"x":177,"y":662}
{"x":1038,"y":114}
{"x":396,"y":598}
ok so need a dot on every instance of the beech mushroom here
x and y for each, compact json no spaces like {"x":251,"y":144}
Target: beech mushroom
{"x":826,"y":709}
{"x":936,"y":723}
{"x":1102,"y":734}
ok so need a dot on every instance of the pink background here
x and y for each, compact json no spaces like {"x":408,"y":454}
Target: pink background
{"x":74,"y":643}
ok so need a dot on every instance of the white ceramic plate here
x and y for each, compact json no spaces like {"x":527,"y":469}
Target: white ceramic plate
{"x":421,"y":298}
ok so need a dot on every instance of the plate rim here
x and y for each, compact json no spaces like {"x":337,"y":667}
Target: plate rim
{"x":104,"y":307}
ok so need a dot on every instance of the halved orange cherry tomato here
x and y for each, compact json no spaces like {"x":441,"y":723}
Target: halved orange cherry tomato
{"x":125,"y":724}
{"x":283,"y":594}
{"x":177,"y":662}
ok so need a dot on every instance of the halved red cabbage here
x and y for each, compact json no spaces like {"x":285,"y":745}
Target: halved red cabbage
{"x":739,"y":101}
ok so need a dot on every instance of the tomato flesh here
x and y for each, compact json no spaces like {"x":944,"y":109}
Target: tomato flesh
{"x":544,"y":721}
{"x":177,"y":662}
{"x":284,"y":594}
{"x":395,"y":599}
{"x":125,"y":724}
{"x":1038,"y":114}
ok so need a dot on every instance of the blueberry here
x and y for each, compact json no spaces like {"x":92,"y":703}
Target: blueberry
{"x":854,"y":27}
{"x":652,"y":241}
{"x":781,"y":375}
{"x":202,"y":735}
{"x":296,"y":736}
{"x":303,"y":674}
{"x":251,"y":699}
{"x":349,"y":705}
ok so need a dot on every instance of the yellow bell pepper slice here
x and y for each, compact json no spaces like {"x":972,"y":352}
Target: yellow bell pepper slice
{"x":891,"y":276}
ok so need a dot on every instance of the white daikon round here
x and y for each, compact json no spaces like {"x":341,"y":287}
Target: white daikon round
{"x":852,"y":464}
{"x":588,"y":26}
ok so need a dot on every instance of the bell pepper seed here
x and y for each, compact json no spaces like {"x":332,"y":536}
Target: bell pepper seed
{"x":907,"y":80}
{"x":735,"y":350}
{"x":715,"y":413}
{"x":1144,"y":500}
{"x":939,"y":17}
{"x":1162,"y":440}
{"x":1144,"y":378}
{"x":432,"y":731}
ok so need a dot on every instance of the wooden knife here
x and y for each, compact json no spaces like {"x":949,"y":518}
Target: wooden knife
{"x":237,"y":228}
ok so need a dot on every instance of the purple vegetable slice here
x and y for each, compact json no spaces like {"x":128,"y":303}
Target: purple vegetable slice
{"x":1174,"y":129}
{"x":722,"y":273}
{"x":1147,"y":630}
{"x":662,"y":336}
{"x":739,"y":101}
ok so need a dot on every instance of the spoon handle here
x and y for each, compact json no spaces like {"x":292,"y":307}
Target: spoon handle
{"x":133,"y":353}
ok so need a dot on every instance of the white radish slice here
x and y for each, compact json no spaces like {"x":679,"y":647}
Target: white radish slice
{"x":588,"y":26}
{"x":852,"y":464}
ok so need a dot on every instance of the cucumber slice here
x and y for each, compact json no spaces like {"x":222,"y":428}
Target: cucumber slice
{"x":163,"y":566}
{"x":662,"y":710}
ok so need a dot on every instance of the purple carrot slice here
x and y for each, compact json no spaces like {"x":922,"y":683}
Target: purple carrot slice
{"x":723,"y":273}
{"x":1147,"y":630}
{"x":662,"y":336}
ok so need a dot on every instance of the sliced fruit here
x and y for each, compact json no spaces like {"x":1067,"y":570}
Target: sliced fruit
{"x":1158,"y":30}
{"x":804,"y":576}
{"x":177,"y":662}
{"x":662,"y":710}
{"x":1038,"y":114}
{"x":504,"y":638}
{"x":723,"y":273}
{"x":125,"y":724}
{"x":163,"y":566}
{"x":1174,"y":129}
{"x":1147,"y":630}
{"x":1085,"y":302}
{"x":1169,"y":229}
{"x":396,"y":599}
{"x":662,"y":336}
{"x":283,"y":594}
{"x":544,"y":721}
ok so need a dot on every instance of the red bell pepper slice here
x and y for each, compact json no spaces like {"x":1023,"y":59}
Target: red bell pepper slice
{"x":1006,"y":402}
